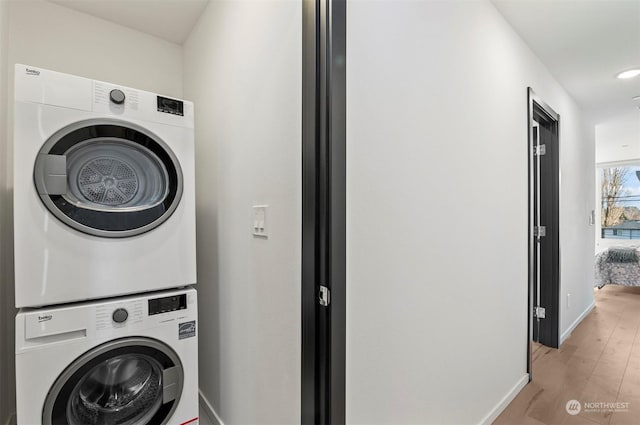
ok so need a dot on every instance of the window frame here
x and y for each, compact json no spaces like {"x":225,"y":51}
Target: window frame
{"x":600,"y":241}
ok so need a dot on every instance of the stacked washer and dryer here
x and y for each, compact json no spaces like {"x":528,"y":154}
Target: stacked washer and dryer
{"x":104,"y":228}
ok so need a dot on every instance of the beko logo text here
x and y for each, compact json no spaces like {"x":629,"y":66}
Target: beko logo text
{"x":45,"y":318}
{"x":32,"y":71}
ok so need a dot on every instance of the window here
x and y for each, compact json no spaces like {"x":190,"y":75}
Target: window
{"x":620,"y":196}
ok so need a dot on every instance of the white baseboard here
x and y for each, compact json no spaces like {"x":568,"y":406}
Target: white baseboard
{"x":208,"y":409}
{"x":575,"y":324}
{"x":495,"y":412}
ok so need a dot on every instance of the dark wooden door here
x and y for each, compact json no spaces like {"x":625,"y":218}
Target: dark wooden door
{"x":546,"y":230}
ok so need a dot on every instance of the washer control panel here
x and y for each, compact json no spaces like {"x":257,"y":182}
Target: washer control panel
{"x":115,"y":317}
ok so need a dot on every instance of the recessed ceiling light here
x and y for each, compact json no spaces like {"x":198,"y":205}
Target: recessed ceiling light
{"x":628,"y":74}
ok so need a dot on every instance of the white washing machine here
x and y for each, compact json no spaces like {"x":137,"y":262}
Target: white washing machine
{"x":104,"y":189}
{"x":126,"y":361}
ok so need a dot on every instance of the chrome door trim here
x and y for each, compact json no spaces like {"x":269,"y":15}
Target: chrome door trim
{"x":40,"y":178}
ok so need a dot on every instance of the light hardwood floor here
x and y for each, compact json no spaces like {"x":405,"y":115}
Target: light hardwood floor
{"x":598,"y":363}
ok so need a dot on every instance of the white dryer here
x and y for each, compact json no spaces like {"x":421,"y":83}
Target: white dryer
{"x":104,"y":189}
{"x":125,"y":361}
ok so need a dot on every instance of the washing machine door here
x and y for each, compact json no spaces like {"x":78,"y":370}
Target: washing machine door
{"x":131,"y":381}
{"x":108,"y":178}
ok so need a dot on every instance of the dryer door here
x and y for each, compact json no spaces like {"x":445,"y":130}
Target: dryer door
{"x":131,"y":381}
{"x":108,"y":178}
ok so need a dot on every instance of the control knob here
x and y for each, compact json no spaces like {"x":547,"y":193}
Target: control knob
{"x":117,"y":96}
{"x":120,"y":315}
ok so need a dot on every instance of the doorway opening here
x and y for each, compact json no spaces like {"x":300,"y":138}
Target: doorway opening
{"x":544,"y":232}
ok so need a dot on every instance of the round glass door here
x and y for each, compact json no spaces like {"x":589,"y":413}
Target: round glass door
{"x":108,"y":178}
{"x":135,"y":381}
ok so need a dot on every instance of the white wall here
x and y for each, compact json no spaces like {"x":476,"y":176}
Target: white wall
{"x":437,"y":210}
{"x":50,"y":36}
{"x":6,"y":298}
{"x":618,"y":139}
{"x":46,"y":35}
{"x":242,"y":67}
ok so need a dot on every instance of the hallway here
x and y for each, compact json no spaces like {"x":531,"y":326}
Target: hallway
{"x":598,"y":363}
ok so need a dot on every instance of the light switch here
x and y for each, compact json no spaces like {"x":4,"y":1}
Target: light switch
{"x":260,"y":220}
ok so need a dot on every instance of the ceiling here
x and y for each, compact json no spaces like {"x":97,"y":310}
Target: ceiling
{"x":584,"y":44}
{"x":171,"y":20}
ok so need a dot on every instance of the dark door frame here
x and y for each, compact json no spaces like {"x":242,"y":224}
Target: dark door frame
{"x":323,"y":211}
{"x":538,"y":110}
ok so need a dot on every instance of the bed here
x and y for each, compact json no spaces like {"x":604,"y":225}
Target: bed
{"x":619,"y":266}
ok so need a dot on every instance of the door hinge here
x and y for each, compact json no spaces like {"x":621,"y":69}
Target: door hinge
{"x":540,"y":231}
{"x":325,"y":296}
{"x":540,"y":150}
{"x":539,"y":312}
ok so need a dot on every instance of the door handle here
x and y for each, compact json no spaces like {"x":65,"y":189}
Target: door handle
{"x":53,"y":171}
{"x":171,"y":383}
